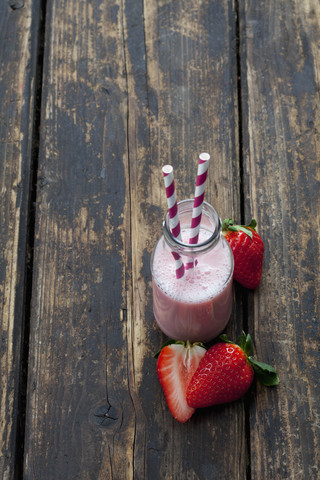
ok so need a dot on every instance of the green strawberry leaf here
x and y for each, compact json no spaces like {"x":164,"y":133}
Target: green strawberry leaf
{"x":252,"y":224}
{"x":228,"y":224}
{"x":245,"y":342}
{"x":242,"y":340}
{"x":224,"y":338}
{"x":265,"y":373}
{"x":240,"y":228}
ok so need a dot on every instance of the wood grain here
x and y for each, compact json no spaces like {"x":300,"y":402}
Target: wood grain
{"x":81,"y":414}
{"x":280,"y":79}
{"x":128,"y":86}
{"x":18,"y":55}
{"x":188,"y":105}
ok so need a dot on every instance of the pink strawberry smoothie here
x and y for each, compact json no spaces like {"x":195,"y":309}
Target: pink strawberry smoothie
{"x":198,"y":306}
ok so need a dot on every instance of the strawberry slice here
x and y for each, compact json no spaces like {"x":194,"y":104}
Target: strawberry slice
{"x":176,"y":365}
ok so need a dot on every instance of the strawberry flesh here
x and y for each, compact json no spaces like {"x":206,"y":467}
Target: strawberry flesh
{"x":223,"y":375}
{"x":175,"y":367}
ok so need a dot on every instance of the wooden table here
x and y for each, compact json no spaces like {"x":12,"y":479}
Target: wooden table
{"x":95,"y":98}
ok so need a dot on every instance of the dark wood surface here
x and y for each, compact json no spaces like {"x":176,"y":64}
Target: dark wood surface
{"x":280,"y":68}
{"x":19,"y":27}
{"x":95,"y":98}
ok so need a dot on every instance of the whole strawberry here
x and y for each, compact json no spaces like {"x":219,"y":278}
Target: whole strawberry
{"x":226,"y":372}
{"x":248,"y":249}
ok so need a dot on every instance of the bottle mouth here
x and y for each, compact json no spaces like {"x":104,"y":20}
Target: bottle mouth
{"x":210,"y":221}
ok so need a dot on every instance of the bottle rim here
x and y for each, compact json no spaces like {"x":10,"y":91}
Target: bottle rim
{"x":187,"y":248}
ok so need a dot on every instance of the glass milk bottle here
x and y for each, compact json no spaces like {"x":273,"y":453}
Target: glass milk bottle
{"x":196,"y":307}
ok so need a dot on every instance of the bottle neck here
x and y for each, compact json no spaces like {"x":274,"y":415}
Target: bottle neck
{"x":210,"y":222}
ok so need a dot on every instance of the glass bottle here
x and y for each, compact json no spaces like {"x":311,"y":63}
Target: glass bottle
{"x":196,"y":307}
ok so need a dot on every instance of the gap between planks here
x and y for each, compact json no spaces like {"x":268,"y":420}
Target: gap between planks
{"x":31,"y":218}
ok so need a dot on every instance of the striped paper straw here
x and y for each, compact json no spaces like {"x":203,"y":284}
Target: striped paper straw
{"x":167,"y":171}
{"x":198,"y":201}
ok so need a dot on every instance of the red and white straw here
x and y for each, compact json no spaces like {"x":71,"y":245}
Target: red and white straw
{"x":198,"y":201}
{"x":199,"y":197}
{"x":167,"y":171}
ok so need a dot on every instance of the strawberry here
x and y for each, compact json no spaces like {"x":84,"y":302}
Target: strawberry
{"x":226,"y":372}
{"x":176,"y":365}
{"x":247,"y":248}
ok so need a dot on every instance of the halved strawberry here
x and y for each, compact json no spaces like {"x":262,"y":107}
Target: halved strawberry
{"x":176,"y":365}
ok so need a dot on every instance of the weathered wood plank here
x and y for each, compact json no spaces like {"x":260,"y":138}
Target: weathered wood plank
{"x":280,"y":75}
{"x":182,"y":101}
{"x":18,"y":54}
{"x":80,"y":412}
{"x":127,"y":87}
